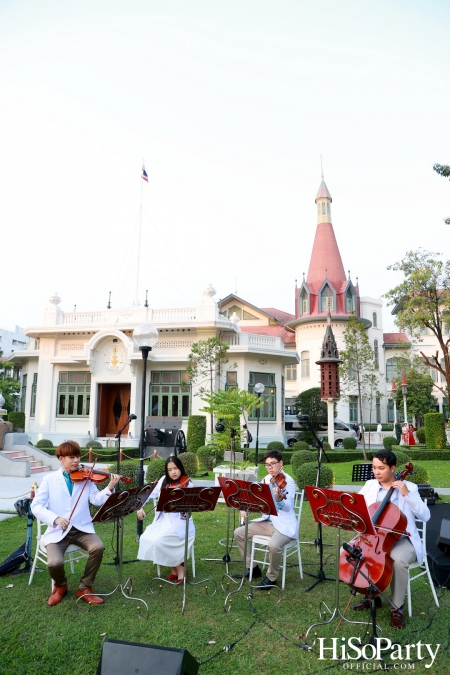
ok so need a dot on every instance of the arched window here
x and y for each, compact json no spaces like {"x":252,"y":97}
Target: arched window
{"x":350,"y":301}
{"x":326,"y":299}
{"x":375,"y":353}
{"x":303,"y":303}
{"x":304,"y":357}
{"x":374,"y":320}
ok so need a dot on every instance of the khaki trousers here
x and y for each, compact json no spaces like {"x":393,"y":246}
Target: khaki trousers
{"x":276,"y":543}
{"x":88,"y":542}
{"x":403,"y":554}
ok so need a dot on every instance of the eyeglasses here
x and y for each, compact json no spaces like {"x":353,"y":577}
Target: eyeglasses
{"x":268,"y":466}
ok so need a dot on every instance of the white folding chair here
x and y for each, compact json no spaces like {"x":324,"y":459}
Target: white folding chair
{"x":260,"y":544}
{"x":191,"y":555}
{"x":72,"y":555}
{"x":422,"y":528}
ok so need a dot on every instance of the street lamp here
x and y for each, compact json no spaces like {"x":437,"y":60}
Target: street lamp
{"x":394,"y":398}
{"x":404,"y":392}
{"x":259,"y":389}
{"x":145,"y":337}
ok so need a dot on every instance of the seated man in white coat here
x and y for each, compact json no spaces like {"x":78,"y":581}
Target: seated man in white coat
{"x":407,"y":549}
{"x":53,"y":504}
{"x":281,"y":528}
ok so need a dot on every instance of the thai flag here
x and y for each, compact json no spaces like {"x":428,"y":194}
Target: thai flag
{"x":144,"y":174}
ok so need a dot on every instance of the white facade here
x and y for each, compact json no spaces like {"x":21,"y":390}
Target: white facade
{"x":82,"y":373}
{"x":11,"y":341}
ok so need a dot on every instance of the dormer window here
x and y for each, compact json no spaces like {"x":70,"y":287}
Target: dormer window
{"x":326,"y":299}
{"x":304,"y":303}
{"x":350,"y":301}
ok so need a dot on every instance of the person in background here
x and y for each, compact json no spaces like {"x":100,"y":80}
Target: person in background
{"x":246,"y":437}
{"x":398,"y":431}
{"x":379,"y":430}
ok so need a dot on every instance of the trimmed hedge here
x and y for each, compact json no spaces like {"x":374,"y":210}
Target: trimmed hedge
{"x":17,"y":419}
{"x":389,"y":441}
{"x":429,"y":454}
{"x":420,"y":477}
{"x":44,"y":443}
{"x":350,"y":443}
{"x":299,"y":458}
{"x":301,"y":445}
{"x":307,"y":475}
{"x":402,"y":457}
{"x":129,"y":469}
{"x":420,"y":433}
{"x":94,"y":444}
{"x":190,"y":462}
{"x":196,"y":432}
{"x":275,"y":445}
{"x":435,"y":430}
{"x":155,"y":470}
{"x":287,"y":456}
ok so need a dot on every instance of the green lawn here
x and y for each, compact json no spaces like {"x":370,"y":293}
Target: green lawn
{"x":36,"y":639}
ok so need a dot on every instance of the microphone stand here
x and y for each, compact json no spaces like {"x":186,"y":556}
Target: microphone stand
{"x":320,"y":576}
{"x":117,"y":562}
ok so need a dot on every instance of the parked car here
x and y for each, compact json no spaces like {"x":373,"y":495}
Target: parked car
{"x":295,"y":430}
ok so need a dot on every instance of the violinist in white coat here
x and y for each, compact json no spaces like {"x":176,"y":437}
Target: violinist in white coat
{"x":408,"y":548}
{"x":53,"y":504}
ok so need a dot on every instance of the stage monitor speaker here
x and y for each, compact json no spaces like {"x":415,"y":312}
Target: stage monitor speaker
{"x":133,"y":658}
{"x":443,"y":540}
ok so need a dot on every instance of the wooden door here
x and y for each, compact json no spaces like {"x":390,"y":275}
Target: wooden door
{"x":114,"y":408}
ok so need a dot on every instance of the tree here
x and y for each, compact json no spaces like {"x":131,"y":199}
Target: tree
{"x":419,"y":396}
{"x":206,"y":363}
{"x":310,"y":403}
{"x":228,"y":406}
{"x":358,"y":372}
{"x":8,"y":385}
{"x":422,"y":300}
{"x":443,"y":170}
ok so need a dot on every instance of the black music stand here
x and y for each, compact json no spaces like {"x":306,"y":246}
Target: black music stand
{"x":243,"y":495}
{"x":187,"y":500}
{"x":343,"y":511}
{"x":117,"y":506}
{"x":362,"y":472}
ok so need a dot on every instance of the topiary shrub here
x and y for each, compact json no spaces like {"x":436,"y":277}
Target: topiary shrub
{"x":389,"y":441}
{"x":299,"y":458}
{"x":307,"y":475}
{"x":94,"y":445}
{"x":44,"y":443}
{"x":435,"y":431}
{"x":420,"y":433}
{"x":196,"y":432}
{"x":207,"y":456}
{"x":326,"y":446}
{"x":190,"y":462}
{"x":129,"y":469}
{"x":402,"y":456}
{"x":287,"y":456}
{"x":300,"y":445}
{"x":155,"y":470}
{"x":275,"y":445}
{"x":349,"y":443}
{"x":17,"y":419}
{"x":420,"y":477}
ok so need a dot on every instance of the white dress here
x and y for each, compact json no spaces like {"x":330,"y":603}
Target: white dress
{"x":163,"y":540}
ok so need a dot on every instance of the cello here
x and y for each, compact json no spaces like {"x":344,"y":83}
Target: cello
{"x":373,"y":551}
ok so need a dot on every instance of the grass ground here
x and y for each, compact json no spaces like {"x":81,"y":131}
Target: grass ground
{"x":264,"y":636}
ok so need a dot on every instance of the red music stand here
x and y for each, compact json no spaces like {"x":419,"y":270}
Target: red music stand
{"x":251,"y":498}
{"x":117,"y":506}
{"x":187,"y":500}
{"x":343,"y":511}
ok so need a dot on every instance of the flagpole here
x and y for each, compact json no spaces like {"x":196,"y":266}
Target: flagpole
{"x":139,"y":240}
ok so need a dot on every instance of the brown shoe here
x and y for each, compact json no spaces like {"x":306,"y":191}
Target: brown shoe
{"x":88,"y":596}
{"x":397,"y":619}
{"x":365,"y":604}
{"x":57,"y":595}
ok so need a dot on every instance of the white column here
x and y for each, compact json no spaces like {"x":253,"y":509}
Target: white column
{"x":330,"y":408}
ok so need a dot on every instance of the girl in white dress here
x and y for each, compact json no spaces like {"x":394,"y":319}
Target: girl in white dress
{"x":163,"y":540}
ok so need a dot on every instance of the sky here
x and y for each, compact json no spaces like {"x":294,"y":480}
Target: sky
{"x":231,"y":105}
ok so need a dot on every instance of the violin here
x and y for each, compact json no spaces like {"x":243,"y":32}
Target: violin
{"x":279,"y":481}
{"x":95,"y":475}
{"x":374,"y":558}
{"x":182,"y":483}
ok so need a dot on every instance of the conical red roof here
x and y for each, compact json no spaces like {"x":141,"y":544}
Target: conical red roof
{"x":325,"y":259}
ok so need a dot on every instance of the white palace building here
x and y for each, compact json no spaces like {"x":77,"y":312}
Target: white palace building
{"x":82,"y":373}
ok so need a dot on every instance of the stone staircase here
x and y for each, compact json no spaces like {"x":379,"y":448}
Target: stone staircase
{"x":19,"y":458}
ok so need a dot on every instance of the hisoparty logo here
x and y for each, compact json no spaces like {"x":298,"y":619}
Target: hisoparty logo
{"x":351,"y":649}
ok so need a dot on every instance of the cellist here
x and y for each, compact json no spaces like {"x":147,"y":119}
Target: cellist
{"x":53,"y":504}
{"x":407,"y":549}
